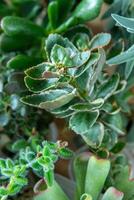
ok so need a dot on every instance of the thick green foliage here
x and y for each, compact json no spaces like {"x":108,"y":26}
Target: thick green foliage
{"x":51,"y":64}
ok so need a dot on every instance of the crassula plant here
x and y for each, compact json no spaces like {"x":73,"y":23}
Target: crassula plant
{"x":53,"y":66}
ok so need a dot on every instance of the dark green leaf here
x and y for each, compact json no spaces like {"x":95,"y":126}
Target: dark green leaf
{"x":13,"y":26}
{"x":81,"y":122}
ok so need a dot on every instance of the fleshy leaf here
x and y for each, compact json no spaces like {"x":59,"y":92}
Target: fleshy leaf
{"x":22,"y":62}
{"x":94,"y":183}
{"x":112,"y":194}
{"x":86,"y":197}
{"x":87,"y":10}
{"x":124,"y":184}
{"x":80,"y":167}
{"x":53,"y":192}
{"x":13,"y":26}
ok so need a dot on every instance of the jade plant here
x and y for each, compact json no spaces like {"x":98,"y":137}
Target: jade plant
{"x":52,"y":65}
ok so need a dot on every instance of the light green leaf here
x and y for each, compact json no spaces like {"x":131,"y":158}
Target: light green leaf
{"x":86,"y":197}
{"x":112,"y":194}
{"x":124,"y":183}
{"x":52,"y":193}
{"x":97,"y":172}
{"x":80,"y":167}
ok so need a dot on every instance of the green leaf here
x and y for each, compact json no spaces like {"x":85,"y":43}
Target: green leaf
{"x":49,"y":177}
{"x":78,"y":29}
{"x":42,"y":71}
{"x":94,"y":57}
{"x":124,"y":184}
{"x":63,"y":9}
{"x":14,"y":189}
{"x":21,"y":181}
{"x":67,"y":58}
{"x":100,"y":40}
{"x":52,"y":193}
{"x":94,"y":136}
{"x":81,"y":41}
{"x":128,"y":68}
{"x":87,"y":10}
{"x":59,"y":40}
{"x":81,"y":122}
{"x":51,"y":99}
{"x":3,"y":191}
{"x":108,"y":88}
{"x":46,"y":151}
{"x":97,"y":172}
{"x":37,"y":86}
{"x":22,"y":62}
{"x":97,"y":70}
{"x":80,"y":167}
{"x":53,"y":13}
{"x":115,"y":122}
{"x":65,"y":153}
{"x":4,"y":119}
{"x":127,"y":23}
{"x":87,"y":106}
{"x":13,"y":26}
{"x":86,"y":197}
{"x":19,"y":144}
{"x":112,"y":194}
{"x":2,"y":163}
{"x":16,"y":43}
{"x":9,"y":163}
{"x":123,"y":57}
